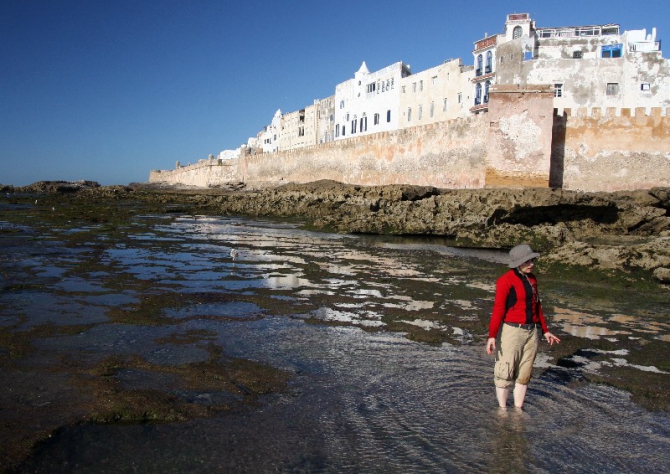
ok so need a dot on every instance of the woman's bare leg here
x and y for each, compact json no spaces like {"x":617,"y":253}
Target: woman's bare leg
{"x":502,"y":394}
{"x":519,"y":394}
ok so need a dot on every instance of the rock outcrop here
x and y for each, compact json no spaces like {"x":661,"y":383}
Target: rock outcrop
{"x":623,"y":230}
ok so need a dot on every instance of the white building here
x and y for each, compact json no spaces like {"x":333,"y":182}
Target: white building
{"x":369,"y":102}
{"x":269,"y":138}
{"x":436,"y":94}
{"x":588,"y":66}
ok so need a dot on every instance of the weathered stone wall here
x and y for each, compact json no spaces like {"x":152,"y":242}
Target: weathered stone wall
{"x":513,"y":145}
{"x":448,"y":155}
{"x":615,"y":150}
{"x":205,"y":173}
{"x":519,"y":136}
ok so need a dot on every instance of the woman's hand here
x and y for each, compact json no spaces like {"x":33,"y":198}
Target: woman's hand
{"x":551,"y":338}
{"x":490,"y":345}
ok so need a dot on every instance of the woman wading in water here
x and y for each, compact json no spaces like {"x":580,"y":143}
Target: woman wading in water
{"x":516,"y":322}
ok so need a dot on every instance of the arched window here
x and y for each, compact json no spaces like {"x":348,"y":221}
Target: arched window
{"x":480,"y":59}
{"x":489,"y":62}
{"x":517,"y":32}
{"x":478,"y":94}
{"x":487,"y":85}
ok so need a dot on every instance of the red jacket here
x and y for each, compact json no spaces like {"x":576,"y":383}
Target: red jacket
{"x":517,"y":301}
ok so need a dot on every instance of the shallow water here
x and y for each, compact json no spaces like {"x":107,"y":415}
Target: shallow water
{"x":360,"y":399}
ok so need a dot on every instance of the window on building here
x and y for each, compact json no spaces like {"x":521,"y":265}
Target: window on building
{"x":344,"y":130}
{"x":403,"y":89}
{"x":341,"y":104}
{"x":517,"y":32}
{"x":460,"y":97}
{"x":409,"y":114}
{"x":612,"y":89}
{"x":433,"y":80}
{"x":414,"y":87}
{"x":364,"y":124}
{"x":388,"y":116}
{"x":347,"y":117}
{"x":421,"y":85}
{"x":577,"y":54}
{"x":432,"y":109}
{"x":558,"y":90}
{"x":478,"y":94}
{"x":487,"y":86}
{"x":353,"y":126}
{"x":376,"y":119}
{"x":337,"y":130}
{"x":611,"y":50}
{"x":420,"y":112}
{"x":480,"y":60}
{"x":489,"y":63}
{"x":372,"y":87}
{"x":645,"y":86}
{"x":444,"y":105}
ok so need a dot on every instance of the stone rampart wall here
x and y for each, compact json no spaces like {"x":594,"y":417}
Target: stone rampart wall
{"x":205,"y":173}
{"x":520,"y":133}
{"x":613,"y":149}
{"x":448,"y":155}
{"x":591,"y":150}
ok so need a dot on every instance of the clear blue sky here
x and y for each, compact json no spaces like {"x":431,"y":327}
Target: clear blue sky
{"x":107,"y":90}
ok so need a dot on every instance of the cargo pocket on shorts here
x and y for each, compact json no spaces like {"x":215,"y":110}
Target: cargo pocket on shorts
{"x":503,"y":371}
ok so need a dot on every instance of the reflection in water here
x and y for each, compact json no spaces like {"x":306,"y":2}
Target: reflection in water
{"x":359,"y":400}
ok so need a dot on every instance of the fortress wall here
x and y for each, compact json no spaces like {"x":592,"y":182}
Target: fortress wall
{"x":203,"y":174}
{"x":512,"y":145}
{"x":519,"y":136}
{"x":448,"y":155}
{"x":615,"y":149}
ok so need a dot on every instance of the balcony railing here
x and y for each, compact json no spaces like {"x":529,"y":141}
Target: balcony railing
{"x":478,"y":72}
{"x":478,"y":101}
{"x":644,"y":46}
{"x":488,"y":69}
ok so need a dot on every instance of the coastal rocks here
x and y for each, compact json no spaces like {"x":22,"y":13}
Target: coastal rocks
{"x":625,"y":230}
{"x":61,"y":187}
{"x":653,"y":256}
{"x":662,"y":274}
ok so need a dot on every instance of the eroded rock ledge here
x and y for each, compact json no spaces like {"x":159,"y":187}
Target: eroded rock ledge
{"x":622,"y":230}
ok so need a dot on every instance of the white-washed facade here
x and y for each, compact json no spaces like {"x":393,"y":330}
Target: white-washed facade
{"x":588,"y":66}
{"x":436,"y":94}
{"x":369,"y":102}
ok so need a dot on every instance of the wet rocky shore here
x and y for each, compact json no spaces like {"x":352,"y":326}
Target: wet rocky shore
{"x":624,"y":231}
{"x":592,"y":245}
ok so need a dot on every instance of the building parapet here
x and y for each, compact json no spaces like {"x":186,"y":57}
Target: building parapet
{"x":578,"y":31}
{"x":611,"y":112}
{"x":486,"y":43}
{"x":644,"y":46}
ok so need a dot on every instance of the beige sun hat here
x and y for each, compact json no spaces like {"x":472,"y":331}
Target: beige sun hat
{"x":521,"y":253}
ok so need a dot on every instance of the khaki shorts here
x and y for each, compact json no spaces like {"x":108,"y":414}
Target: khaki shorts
{"x":517,"y":348}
